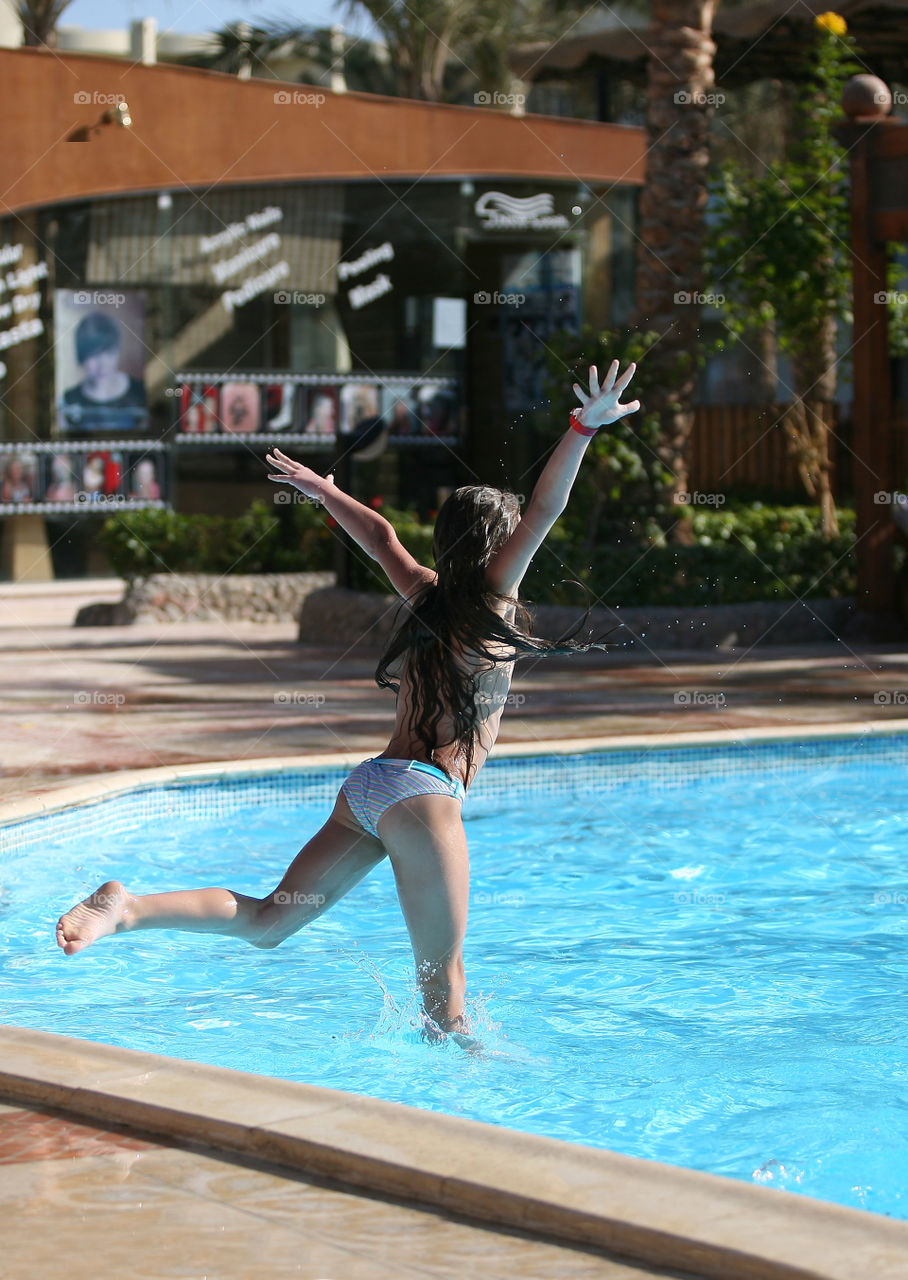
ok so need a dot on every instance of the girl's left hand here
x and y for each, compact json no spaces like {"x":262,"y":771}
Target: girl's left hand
{"x":601,"y":404}
{"x":301,"y":477}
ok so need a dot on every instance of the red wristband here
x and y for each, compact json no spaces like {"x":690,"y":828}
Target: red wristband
{"x":577,"y":425}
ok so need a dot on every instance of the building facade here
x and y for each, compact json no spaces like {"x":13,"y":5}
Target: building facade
{"x":194,"y":267}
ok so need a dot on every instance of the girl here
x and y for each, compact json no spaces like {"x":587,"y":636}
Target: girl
{"x":450,"y":663}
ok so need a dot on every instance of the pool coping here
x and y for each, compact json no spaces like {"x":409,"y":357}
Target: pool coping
{"x":630,"y":1208}
{"x":120,"y":782}
{"x":641,"y":1210}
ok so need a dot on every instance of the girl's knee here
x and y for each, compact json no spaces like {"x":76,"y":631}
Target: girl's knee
{"x":281,"y":914}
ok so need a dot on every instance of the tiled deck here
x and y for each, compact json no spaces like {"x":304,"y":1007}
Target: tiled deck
{"x":88,"y":1202}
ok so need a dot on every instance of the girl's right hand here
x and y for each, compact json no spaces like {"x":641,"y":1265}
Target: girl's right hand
{"x":600,"y":405}
{"x":301,"y":477}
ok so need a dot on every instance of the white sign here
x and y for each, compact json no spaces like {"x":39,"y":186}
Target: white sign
{"x":498,"y":211}
{"x":251,"y":255}
{"x":360,"y":294}
{"x":384,"y":253}
{"x":18,"y":305}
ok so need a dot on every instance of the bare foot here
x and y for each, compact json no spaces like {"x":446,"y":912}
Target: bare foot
{"x":103,"y":913}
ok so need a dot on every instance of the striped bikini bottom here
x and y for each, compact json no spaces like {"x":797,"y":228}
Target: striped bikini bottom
{"x":376,"y":784}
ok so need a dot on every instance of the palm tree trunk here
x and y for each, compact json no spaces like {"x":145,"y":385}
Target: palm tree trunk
{"x":671,"y":227}
{"x":808,"y":422}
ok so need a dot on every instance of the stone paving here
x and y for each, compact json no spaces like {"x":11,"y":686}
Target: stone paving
{"x":77,"y":701}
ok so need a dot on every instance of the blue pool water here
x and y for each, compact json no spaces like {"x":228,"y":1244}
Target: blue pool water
{"x":706,"y":970}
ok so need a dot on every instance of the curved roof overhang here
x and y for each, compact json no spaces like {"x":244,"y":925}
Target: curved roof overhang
{"x":196,"y":129}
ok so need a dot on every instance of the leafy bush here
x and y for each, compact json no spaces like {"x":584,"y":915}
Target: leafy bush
{"x":140,"y":543}
{"x":742,"y":552}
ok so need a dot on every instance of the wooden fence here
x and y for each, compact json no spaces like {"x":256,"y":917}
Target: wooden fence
{"x":736,"y":446}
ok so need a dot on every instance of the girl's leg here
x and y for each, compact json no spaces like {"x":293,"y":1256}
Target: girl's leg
{"x":326,"y":868}
{"x":427,"y":846}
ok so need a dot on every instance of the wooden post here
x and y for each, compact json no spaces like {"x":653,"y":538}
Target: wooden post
{"x":874,"y":478}
{"x":869,"y":136}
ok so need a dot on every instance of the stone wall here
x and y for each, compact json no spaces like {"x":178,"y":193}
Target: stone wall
{"x":201,"y":597}
{"x":355,"y":617}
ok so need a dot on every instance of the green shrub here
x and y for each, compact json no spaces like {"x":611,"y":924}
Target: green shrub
{"x":742,"y":552}
{"x":263,"y":539}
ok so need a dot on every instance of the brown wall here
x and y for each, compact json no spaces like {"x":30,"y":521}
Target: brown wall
{"x":195,"y":128}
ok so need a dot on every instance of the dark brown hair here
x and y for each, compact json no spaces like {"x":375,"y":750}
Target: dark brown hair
{"x":457,"y":612}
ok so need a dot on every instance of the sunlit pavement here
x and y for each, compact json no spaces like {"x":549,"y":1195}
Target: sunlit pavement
{"x":77,"y":701}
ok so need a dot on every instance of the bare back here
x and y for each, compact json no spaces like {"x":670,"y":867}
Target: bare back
{"x":493,"y":686}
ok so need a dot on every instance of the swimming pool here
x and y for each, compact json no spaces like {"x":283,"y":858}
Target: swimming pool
{"x":693,"y":954}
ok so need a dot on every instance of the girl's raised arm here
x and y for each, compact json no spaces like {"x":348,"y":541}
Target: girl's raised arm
{"x":372,"y":531}
{"x":598,"y":407}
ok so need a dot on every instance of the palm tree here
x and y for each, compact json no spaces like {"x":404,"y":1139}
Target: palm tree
{"x":671,"y":228}
{"x":446,"y":50}
{"x":39,"y":20}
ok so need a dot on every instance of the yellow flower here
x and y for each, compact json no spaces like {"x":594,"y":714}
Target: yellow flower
{"x":834,"y":23}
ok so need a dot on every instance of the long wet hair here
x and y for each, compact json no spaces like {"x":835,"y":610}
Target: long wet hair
{"x":456,"y":613}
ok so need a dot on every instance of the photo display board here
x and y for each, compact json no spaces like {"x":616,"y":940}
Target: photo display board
{"x":64,"y":476}
{"x":318,"y":410}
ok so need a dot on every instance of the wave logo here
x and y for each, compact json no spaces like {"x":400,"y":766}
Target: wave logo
{"x":496,"y":209}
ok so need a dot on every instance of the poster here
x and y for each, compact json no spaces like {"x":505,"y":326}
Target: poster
{"x":359,"y":403}
{"x":240,"y":408}
{"x":399,"y":410}
{"x":61,"y":476}
{"x":143,"y":477}
{"x":320,"y":411}
{"x":18,"y":476}
{"x":199,"y":409}
{"x":437,"y":411}
{"x":100,"y":361}
{"x":101,"y":476}
{"x":279,"y":399}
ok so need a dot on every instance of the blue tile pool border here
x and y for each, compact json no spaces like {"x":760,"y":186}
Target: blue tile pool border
{"x":566,"y":773}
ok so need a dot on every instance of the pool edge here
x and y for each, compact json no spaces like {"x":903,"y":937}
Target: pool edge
{"x":637,"y":1209}
{"x":106,"y":785}
{"x":657,"y":1214}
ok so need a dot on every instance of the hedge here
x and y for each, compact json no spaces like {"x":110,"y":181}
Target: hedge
{"x":742,"y":552}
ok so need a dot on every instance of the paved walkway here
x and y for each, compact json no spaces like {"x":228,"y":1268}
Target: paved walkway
{"x":96,"y":1204}
{"x":75,"y":701}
